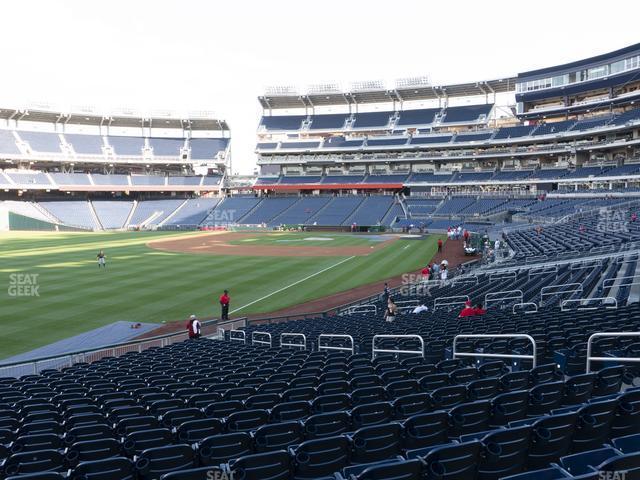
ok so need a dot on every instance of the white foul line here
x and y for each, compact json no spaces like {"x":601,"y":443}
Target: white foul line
{"x":293,"y":284}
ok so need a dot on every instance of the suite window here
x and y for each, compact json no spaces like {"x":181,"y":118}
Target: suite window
{"x":597,"y":72}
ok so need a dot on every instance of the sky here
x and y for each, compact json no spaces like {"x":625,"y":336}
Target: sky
{"x":219,"y":56}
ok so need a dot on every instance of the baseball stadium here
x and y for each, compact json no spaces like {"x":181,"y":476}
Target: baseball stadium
{"x":417,"y":281}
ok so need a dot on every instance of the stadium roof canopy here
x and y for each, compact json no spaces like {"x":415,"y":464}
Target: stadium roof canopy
{"x":375,"y":92}
{"x":122,"y":118}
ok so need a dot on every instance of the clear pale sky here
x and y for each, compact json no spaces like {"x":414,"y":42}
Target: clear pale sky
{"x":219,"y":56}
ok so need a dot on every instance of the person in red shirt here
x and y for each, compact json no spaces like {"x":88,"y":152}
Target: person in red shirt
{"x":225,"y":299}
{"x":479,"y":310}
{"x":439,"y":245}
{"x":193,"y":327}
{"x":468,"y":310}
{"x":426,"y":272}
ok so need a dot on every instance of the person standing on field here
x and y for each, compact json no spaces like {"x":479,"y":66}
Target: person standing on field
{"x":439,"y":245}
{"x":225,"y":299}
{"x":101,"y":259}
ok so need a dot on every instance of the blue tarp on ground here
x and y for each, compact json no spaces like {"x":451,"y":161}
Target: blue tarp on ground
{"x":117,"y":332}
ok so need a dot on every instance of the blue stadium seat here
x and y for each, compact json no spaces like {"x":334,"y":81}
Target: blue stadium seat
{"x":219,"y":449}
{"x":91,"y":450}
{"x":583,"y":463}
{"x":34,"y":462}
{"x":321,"y":457}
{"x":628,"y":444}
{"x":154,"y":462}
{"x":278,"y":436}
{"x":453,"y":461}
{"x":327,"y":425}
{"x":425,"y":430}
{"x":505,"y":453}
{"x":276,"y":465}
{"x":193,"y":431}
{"x":551,"y":439}
{"x":376,"y":442}
{"x":393,"y":470}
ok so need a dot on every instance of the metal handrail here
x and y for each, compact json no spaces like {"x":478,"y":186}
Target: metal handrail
{"x":261,"y":342}
{"x":609,"y":359}
{"x":536,"y":258}
{"x":611,"y":300}
{"x":297,"y":335}
{"x":612,"y":281}
{"x":336,"y":335}
{"x":502,"y":276}
{"x":414,"y":302}
{"x":375,"y":350}
{"x":241,"y":333}
{"x":437,"y":303}
{"x":542,"y":270}
{"x":628,"y":259}
{"x":504,"y":295}
{"x":532,"y":357}
{"x":464,"y":280}
{"x":363,"y":309}
{"x":513,"y":310}
{"x":586,"y":264}
{"x":559,"y":290}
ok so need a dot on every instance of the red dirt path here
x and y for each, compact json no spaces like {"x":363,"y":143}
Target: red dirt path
{"x":452,"y":251}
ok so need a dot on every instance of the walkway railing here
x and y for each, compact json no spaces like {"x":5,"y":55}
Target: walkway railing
{"x":326,"y":336}
{"x":607,"y":302}
{"x":526,"y":307}
{"x":302,"y":345}
{"x":362,"y":309}
{"x":238,"y":336}
{"x":375,"y":351}
{"x":257,"y":341}
{"x":450,"y":301}
{"x":457,"y":354}
{"x":500,"y":297}
{"x":591,"y":358}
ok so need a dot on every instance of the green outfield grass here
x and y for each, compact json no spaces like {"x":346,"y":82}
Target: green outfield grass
{"x":141,"y":284}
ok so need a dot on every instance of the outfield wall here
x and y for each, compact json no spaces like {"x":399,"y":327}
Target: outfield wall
{"x":4,"y":219}
{"x":15,"y":221}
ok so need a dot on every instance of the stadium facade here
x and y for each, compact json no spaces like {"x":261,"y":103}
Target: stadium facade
{"x":433,"y":155}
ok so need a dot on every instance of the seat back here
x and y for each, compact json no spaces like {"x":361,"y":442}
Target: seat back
{"x":278,"y":436}
{"x":470,"y":418}
{"x":276,"y":465}
{"x":322,"y":457}
{"x":551,"y":439}
{"x":377,"y":442}
{"x":454,"y":461}
{"x":218,"y":449}
{"x":154,"y":462}
{"x":505,"y":452}
{"x":327,"y":425}
{"x":194,"y":431}
{"x":118,"y":468}
{"x":425,"y":430}
{"x":509,"y":407}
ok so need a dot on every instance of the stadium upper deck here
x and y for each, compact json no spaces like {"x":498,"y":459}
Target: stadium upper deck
{"x":50,"y":139}
{"x":581,"y":114}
